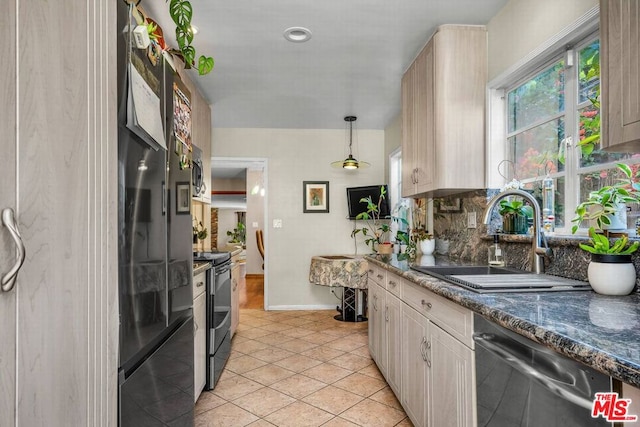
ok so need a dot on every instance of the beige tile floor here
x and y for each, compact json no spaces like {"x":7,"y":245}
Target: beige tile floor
{"x":298,"y":369}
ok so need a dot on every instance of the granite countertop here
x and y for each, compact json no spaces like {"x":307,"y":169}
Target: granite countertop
{"x":200,"y":266}
{"x":597,"y":330}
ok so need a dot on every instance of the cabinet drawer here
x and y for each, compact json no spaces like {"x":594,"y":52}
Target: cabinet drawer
{"x":199,"y":283}
{"x":376,"y":274}
{"x":456,"y":320}
{"x":394,"y":284}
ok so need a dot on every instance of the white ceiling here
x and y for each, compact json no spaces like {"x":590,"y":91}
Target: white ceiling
{"x":351,"y":66}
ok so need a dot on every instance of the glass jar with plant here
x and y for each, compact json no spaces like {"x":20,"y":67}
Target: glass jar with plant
{"x":374,"y":229}
{"x":610,"y":258}
{"x":514,"y":216}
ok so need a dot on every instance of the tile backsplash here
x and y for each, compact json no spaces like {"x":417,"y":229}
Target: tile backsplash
{"x":470,"y":244}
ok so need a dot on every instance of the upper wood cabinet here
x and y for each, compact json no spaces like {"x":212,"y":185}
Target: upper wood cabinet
{"x":620,"y":75}
{"x":443,"y":119}
{"x":200,"y":130}
{"x":201,"y":136}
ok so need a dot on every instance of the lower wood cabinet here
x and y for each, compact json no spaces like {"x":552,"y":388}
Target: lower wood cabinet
{"x":235,"y":294}
{"x":199,"y":334}
{"x":377,"y":329}
{"x":430,"y":371}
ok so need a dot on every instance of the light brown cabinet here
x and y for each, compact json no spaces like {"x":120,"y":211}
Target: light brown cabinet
{"x":199,"y":334}
{"x":620,"y":71}
{"x":443,"y":114}
{"x":235,"y":293}
{"x":423,"y":345}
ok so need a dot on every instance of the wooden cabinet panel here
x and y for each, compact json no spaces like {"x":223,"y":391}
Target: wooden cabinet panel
{"x":452,"y":381}
{"x":199,"y":344}
{"x":393,"y":342}
{"x":443,"y":100}
{"x":235,"y":294}
{"x":620,"y":84}
{"x":59,"y":325}
{"x":413,"y":365}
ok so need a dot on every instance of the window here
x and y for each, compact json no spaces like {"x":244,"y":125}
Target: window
{"x":553,"y":128}
{"x":395,"y":178}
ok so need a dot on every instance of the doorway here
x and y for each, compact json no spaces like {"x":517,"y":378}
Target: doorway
{"x":239,"y":196}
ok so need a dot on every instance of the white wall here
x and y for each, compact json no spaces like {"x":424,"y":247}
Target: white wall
{"x":523,"y":25}
{"x":255,"y":214}
{"x":294,"y":156}
{"x":392,"y":140}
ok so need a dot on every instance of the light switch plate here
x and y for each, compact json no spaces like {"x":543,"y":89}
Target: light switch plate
{"x":254,"y":224}
{"x":277,"y":223}
{"x":471,"y":220}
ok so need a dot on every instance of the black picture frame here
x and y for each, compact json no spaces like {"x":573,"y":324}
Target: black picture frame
{"x":452,"y":205}
{"x":183,"y":198}
{"x":315,"y":196}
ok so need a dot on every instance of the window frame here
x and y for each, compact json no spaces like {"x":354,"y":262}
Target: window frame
{"x":577,"y":34}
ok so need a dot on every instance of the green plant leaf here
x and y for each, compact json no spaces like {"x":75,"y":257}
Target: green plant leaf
{"x":205,"y":65}
{"x":189,"y":54}
{"x":626,"y":169}
{"x":181,"y":12}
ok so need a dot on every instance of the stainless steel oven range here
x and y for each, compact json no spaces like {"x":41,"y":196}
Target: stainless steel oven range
{"x":218,"y":313}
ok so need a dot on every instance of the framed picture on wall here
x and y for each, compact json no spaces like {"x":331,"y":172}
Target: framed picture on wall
{"x":450,"y":205}
{"x":315,"y":196}
{"x":183,"y":198}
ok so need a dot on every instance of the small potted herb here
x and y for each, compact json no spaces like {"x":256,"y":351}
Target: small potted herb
{"x":514,"y":216}
{"x":610,"y":271}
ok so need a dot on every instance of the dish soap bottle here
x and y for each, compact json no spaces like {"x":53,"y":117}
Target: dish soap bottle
{"x":495,"y":253}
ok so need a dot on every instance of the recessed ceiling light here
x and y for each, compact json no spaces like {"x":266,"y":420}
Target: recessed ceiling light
{"x":297,"y":34}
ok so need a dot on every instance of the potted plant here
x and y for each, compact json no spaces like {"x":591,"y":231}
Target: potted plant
{"x":610,"y":271}
{"x":373,"y":230}
{"x":199,"y":232}
{"x":425,"y":240}
{"x":607,"y":206}
{"x":238,"y":234}
{"x":514,"y":216}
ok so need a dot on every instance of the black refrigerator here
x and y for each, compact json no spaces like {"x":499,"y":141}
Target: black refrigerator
{"x":154,"y":246}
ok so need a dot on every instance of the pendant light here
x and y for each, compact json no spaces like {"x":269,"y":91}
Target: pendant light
{"x":350,"y":162}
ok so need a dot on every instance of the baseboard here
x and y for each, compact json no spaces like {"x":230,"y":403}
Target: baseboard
{"x":301,"y":307}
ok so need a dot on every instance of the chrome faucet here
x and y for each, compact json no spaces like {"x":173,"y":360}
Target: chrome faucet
{"x":538,"y":251}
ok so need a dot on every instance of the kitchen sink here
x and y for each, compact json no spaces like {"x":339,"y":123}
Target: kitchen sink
{"x":489,"y":279}
{"x":466,"y":270}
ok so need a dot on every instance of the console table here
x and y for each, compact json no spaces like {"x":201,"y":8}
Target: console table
{"x":348,"y":272}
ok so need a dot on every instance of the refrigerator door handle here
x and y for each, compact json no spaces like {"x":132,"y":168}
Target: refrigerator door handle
{"x":9,"y":279}
{"x":164,"y":198}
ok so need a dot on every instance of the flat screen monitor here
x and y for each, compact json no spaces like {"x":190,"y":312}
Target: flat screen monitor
{"x":355,"y":194}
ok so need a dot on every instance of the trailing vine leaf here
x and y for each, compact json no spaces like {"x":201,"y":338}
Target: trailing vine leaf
{"x":205,"y":64}
{"x":181,"y":13}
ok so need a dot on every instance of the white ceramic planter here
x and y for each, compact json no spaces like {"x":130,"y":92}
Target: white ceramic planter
{"x":611,"y":274}
{"x":427,"y":246}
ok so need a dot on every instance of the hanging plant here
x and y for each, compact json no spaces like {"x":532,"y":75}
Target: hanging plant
{"x":181,"y":13}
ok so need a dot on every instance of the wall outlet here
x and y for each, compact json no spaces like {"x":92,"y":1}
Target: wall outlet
{"x":254,"y":224}
{"x":471,"y":220}
{"x":277,"y":223}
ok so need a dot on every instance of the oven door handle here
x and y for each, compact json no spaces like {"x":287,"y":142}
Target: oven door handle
{"x":557,"y":387}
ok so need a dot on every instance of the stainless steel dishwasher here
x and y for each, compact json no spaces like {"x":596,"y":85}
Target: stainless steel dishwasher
{"x":522,"y":383}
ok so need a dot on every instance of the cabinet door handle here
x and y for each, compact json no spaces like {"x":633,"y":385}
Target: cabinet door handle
{"x":9,"y":279}
{"x":386,"y":313}
{"x":375,"y":299}
{"x":392,"y":283}
{"x":370,"y":271}
{"x":422,"y":349}
{"x":199,"y":284}
{"x":235,"y":284}
{"x":428,"y":347}
{"x":379,"y":276}
{"x":427,"y":304}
